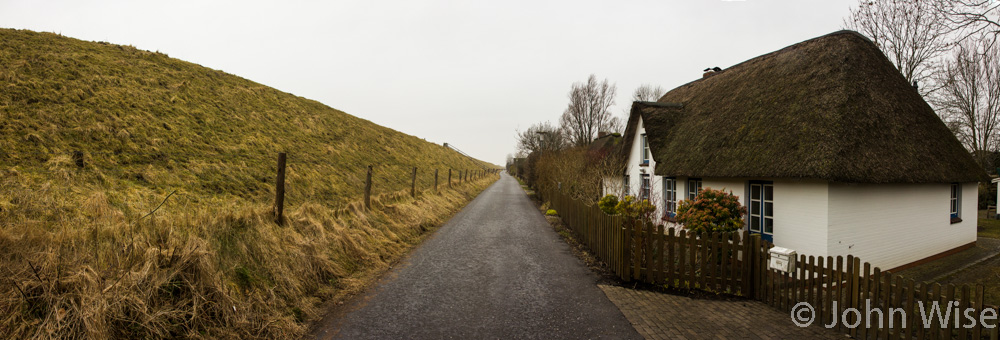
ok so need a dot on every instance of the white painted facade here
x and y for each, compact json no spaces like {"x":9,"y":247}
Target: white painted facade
{"x":890,"y":225}
{"x":887,"y":225}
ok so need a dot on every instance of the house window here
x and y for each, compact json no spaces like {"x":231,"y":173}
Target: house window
{"x":956,"y":203}
{"x":694,"y":187}
{"x":762,"y":209}
{"x":645,"y":187}
{"x":669,"y":195}
{"x":625,"y":186}
{"x":645,"y":150}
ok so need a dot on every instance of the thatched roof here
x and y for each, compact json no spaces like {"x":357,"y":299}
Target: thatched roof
{"x":604,"y":149}
{"x":605,"y":142}
{"x":830,"y":108}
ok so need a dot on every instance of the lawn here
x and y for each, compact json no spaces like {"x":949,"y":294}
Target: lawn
{"x":988,"y":227}
{"x":987,"y":272}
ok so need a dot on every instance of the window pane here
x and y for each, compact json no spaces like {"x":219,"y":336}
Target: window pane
{"x":755,"y":207}
{"x":645,"y":148}
{"x":755,"y":191}
{"x":755,"y":224}
{"x":768,"y":209}
{"x":768,"y":192}
{"x":768,"y":225}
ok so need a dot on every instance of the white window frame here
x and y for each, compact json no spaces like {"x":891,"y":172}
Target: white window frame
{"x":669,"y":194}
{"x":759,"y":214}
{"x":645,"y":182}
{"x":625,"y":186}
{"x":693,"y":183}
{"x":956,"y":200}
{"x":645,"y":150}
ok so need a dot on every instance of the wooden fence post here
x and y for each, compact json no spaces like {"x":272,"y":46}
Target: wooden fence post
{"x":368,"y":189}
{"x":279,"y":191}
{"x":449,"y":178}
{"x":435,"y":180}
{"x":413,"y":183}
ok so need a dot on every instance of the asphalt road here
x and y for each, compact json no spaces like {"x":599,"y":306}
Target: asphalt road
{"x":495,"y":270}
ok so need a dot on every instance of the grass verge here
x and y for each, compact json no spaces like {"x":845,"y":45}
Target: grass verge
{"x":220,"y":272}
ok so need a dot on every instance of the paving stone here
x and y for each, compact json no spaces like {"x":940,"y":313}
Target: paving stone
{"x":664,"y":316}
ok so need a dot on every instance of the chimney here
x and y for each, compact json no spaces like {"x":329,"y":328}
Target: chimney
{"x":710,"y":72}
{"x":915,"y":85}
{"x":601,"y":134}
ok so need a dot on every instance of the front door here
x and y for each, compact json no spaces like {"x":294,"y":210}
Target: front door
{"x":762,"y":209}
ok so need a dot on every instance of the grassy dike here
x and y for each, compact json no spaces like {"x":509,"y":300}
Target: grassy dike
{"x":229,"y":273}
{"x":136,"y":192}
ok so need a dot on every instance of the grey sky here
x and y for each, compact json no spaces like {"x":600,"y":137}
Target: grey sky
{"x":463,"y":72}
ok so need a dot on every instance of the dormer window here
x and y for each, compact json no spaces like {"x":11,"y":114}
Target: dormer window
{"x":645,"y":150}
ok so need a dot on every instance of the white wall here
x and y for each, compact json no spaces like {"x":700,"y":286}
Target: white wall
{"x":890,"y":225}
{"x":800,"y":210}
{"x":634,"y":169}
{"x":801,"y":215}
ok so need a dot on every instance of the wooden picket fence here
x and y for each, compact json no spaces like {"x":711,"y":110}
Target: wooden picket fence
{"x":738,"y":263}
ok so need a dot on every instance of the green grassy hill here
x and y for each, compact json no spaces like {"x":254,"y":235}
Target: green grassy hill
{"x":95,"y":137}
{"x":149,"y":124}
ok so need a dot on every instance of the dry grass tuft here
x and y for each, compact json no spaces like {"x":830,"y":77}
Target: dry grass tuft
{"x":95,"y":137}
{"x":221,"y":272}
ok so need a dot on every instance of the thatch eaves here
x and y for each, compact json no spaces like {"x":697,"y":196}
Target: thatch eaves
{"x":831,"y":108}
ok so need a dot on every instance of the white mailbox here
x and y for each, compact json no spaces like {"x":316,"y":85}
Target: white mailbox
{"x":782,"y":259}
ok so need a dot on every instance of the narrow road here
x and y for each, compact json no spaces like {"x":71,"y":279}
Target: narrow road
{"x":495,"y":270}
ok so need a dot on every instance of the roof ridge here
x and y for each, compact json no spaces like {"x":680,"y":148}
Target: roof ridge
{"x":658,"y":104}
{"x":784,"y":49}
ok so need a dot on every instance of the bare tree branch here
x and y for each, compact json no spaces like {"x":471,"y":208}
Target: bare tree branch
{"x":969,"y":98}
{"x":647,"y":93}
{"x":588,"y":111}
{"x":971,"y":18}
{"x":540,"y":137}
{"x":911,"y":33}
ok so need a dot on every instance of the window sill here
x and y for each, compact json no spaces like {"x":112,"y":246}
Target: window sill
{"x":956,"y":220}
{"x":644,"y":164}
{"x":670,"y":219}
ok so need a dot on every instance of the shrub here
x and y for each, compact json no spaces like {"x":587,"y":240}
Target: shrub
{"x":713,"y":211}
{"x":608,"y":204}
{"x":633,"y":209}
{"x":550,"y":212}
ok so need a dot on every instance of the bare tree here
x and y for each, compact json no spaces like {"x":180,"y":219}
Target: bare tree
{"x":588,"y":111}
{"x":970,"y":96}
{"x":647,"y":93}
{"x":911,"y":33}
{"x":971,"y":18}
{"x":540,"y":137}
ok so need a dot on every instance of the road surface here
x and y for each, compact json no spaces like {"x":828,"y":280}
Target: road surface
{"x":495,"y":270}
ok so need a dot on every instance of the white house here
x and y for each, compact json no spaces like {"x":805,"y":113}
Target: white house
{"x":827,"y":145}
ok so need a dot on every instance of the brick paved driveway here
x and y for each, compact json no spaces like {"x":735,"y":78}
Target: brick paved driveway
{"x":664,"y":316}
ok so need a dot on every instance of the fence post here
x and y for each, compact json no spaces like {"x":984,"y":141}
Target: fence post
{"x":449,"y":178}
{"x":435,"y":180}
{"x":279,"y":191}
{"x":368,"y":189}
{"x":413,"y":183}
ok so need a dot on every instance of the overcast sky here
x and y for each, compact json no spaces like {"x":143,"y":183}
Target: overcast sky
{"x":469,"y":73}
